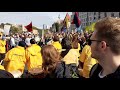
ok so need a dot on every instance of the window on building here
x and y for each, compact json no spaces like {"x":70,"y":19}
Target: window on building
{"x":99,"y":17}
{"x":94,"y":13}
{"x":105,"y":14}
{"x":112,"y":14}
{"x":83,"y":24}
{"x":84,"y":20}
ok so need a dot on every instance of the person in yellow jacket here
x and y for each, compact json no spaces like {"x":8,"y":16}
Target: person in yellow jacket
{"x":56,"y":43}
{"x":15,"y":58}
{"x":87,"y":61}
{"x":69,"y":55}
{"x":33,"y":56}
{"x":76,"y":44}
{"x":2,"y":47}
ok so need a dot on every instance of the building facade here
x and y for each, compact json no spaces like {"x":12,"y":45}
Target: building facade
{"x":87,"y":18}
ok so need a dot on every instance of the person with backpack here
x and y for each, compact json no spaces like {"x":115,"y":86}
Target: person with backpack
{"x":70,"y":58}
{"x":33,"y":56}
{"x":15,"y":58}
{"x":53,"y":66}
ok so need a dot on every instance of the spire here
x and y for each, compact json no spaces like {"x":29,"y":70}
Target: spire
{"x":59,"y":16}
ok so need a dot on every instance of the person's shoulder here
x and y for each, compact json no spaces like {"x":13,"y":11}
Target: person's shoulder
{"x":86,"y":46}
{"x":73,"y":51}
{"x":95,"y":68}
{"x":115,"y":75}
{"x":28,"y":48}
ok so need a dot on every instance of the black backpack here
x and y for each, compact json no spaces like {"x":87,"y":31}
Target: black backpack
{"x":67,"y":71}
{"x":71,"y":70}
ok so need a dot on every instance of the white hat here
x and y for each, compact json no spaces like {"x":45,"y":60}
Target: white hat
{"x":27,"y":41}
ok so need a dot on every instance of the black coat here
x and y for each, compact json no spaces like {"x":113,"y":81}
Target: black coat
{"x":96,"y":69}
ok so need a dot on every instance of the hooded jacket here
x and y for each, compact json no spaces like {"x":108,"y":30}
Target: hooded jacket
{"x":33,"y":56}
{"x":15,"y":59}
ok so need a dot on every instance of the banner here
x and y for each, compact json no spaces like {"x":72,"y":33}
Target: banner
{"x":1,"y":30}
{"x":6,"y":29}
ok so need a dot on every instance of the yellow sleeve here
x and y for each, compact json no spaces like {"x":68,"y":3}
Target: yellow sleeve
{"x":6,"y":60}
{"x":7,"y":56}
{"x":27,"y":55}
{"x":1,"y":67}
{"x":3,"y":43}
{"x":79,"y":47}
{"x":83,"y":54}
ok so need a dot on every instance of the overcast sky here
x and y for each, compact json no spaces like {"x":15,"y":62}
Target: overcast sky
{"x":37,"y":18}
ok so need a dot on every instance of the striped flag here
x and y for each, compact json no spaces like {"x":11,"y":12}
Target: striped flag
{"x":76,"y":20}
{"x":66,"y":21}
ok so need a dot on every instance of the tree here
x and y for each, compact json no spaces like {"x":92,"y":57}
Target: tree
{"x":2,"y":25}
{"x":57,"y":26}
{"x":14,"y":30}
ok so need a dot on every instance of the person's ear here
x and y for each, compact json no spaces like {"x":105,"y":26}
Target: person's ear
{"x":103,"y":45}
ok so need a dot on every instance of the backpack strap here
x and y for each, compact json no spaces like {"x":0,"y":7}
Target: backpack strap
{"x":93,"y":69}
{"x":63,"y":64}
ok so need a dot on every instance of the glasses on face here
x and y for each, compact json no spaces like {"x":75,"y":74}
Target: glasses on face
{"x":90,"y":41}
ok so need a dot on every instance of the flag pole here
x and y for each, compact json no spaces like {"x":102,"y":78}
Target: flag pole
{"x":43,"y":32}
{"x":22,"y":28}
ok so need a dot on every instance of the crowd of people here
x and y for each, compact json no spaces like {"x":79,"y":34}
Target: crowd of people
{"x":63,"y":55}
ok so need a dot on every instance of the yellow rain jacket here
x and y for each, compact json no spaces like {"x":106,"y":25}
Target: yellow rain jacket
{"x":2,"y":46}
{"x":57,"y":45}
{"x":2,"y":67}
{"x":71,"y":57}
{"x":78,"y":49}
{"x":33,"y":56}
{"x":15,"y":59}
{"x":87,"y":61}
